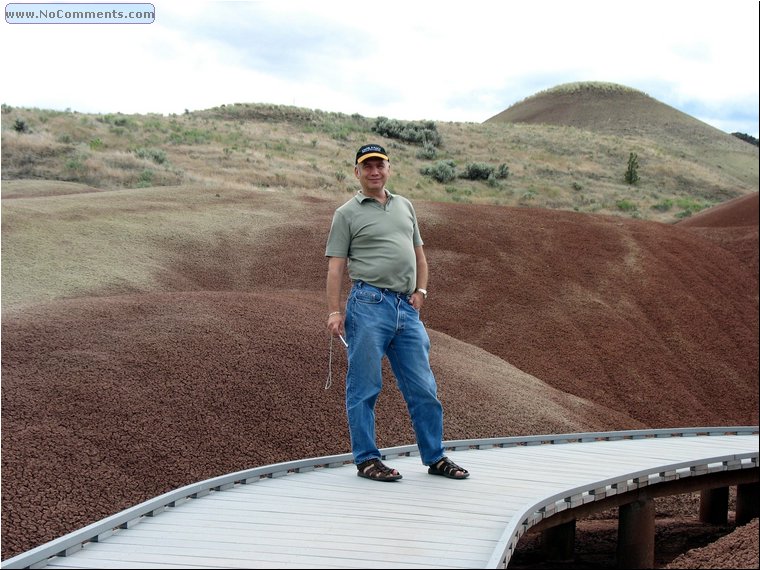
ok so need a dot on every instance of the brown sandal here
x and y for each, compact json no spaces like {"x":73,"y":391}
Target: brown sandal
{"x":448,"y":468}
{"x":377,"y":470}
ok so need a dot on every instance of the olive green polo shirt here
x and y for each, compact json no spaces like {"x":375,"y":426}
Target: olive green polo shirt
{"x":378,"y":240}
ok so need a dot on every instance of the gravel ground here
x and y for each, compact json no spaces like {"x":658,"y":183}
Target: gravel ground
{"x":540,"y":321}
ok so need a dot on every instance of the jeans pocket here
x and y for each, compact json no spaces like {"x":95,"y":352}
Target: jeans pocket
{"x":368,"y":297}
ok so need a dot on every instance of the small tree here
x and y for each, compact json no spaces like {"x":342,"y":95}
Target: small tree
{"x":20,"y":126}
{"x":632,"y":173}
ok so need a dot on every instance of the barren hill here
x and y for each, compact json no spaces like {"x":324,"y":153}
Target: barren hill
{"x":159,"y":336}
{"x":732,"y":225}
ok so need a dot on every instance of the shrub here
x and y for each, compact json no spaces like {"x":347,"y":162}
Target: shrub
{"x":419,"y":132}
{"x":427,"y":152}
{"x":190,"y":136}
{"x":76,"y":164}
{"x":116,"y":120}
{"x":689,"y":206}
{"x":477,"y":171}
{"x":442,"y":171}
{"x":146,"y":179}
{"x":157,"y":155}
{"x":626,"y":205}
{"x":663,"y":206}
{"x":483,"y":171}
{"x":502,"y":171}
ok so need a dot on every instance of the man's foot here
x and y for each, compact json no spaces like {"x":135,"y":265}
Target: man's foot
{"x":377,"y":470}
{"x":448,"y":468}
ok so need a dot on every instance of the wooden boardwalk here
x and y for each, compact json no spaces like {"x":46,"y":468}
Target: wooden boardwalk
{"x":319,"y":514}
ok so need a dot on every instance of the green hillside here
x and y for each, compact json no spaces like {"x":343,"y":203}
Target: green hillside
{"x":544,"y":161}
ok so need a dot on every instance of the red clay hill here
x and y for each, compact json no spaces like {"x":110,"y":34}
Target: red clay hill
{"x":541,"y":321}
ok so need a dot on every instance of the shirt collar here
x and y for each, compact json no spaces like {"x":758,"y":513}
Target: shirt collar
{"x":360,"y":197}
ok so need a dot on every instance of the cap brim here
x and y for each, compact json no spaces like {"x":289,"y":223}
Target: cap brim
{"x":371,"y":155}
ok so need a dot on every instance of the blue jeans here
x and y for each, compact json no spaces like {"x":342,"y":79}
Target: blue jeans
{"x":381,"y":322}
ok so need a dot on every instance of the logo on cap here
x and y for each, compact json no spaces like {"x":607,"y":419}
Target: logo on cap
{"x":369,"y":151}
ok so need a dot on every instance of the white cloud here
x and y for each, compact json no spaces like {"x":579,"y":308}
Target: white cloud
{"x":440,"y":60}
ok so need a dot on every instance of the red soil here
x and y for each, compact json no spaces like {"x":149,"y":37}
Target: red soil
{"x":541,"y":321}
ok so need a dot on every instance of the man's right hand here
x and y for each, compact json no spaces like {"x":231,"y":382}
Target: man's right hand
{"x":335,"y":323}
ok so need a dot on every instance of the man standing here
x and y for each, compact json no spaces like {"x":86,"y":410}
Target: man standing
{"x":375,"y":235}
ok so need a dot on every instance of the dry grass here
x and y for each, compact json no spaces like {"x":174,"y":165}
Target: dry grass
{"x":574,"y":165}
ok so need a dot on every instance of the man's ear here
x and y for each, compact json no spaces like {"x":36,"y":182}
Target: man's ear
{"x":356,"y":171}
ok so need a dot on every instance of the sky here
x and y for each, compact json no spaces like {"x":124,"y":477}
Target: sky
{"x":460,"y":61}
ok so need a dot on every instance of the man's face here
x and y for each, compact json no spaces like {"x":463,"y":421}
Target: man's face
{"x":373,"y":173}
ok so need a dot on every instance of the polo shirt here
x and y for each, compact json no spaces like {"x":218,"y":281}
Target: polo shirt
{"x":378,"y":240}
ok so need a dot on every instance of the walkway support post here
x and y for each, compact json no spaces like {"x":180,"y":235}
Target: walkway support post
{"x":635,"y":548}
{"x":713,"y":506}
{"x":558,"y":542}
{"x":747,"y":502}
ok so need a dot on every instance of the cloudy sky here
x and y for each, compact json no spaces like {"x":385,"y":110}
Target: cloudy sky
{"x":444,"y":60}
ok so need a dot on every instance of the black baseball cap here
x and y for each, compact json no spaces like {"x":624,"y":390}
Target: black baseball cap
{"x":369,"y":151}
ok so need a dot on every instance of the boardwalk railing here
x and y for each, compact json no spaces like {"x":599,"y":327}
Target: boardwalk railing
{"x":535,"y":508}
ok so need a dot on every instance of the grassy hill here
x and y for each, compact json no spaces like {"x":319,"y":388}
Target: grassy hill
{"x":611,"y":109}
{"x":565,"y":149}
{"x":163,"y":295}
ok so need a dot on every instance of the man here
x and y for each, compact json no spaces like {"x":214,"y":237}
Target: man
{"x":375,"y":235}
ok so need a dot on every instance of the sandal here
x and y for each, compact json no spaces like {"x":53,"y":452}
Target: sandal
{"x":377,"y":470}
{"x":448,"y":468}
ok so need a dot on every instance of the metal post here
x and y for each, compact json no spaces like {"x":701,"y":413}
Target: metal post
{"x":635,"y":548}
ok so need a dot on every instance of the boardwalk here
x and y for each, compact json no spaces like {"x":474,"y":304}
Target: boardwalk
{"x":319,"y":514}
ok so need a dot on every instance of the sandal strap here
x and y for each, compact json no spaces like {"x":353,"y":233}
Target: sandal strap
{"x":374,"y":468}
{"x":448,"y":466}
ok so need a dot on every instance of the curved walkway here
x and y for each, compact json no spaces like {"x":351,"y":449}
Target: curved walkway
{"x":317,"y":513}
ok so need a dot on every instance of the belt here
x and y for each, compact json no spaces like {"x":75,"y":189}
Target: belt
{"x":360,"y":284}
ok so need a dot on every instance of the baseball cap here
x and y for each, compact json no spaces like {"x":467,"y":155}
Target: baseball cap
{"x":369,"y":151}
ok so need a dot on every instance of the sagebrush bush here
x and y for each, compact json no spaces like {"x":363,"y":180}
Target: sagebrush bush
{"x":427,"y":152}
{"x":484,"y":171}
{"x":442,"y":171}
{"x":157,"y":155}
{"x":420,"y":132}
{"x":626,"y":205}
{"x":477,"y":171}
{"x":663,"y":205}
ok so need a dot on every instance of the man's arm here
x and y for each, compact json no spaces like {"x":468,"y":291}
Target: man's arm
{"x":336,"y":267}
{"x":422,"y":277}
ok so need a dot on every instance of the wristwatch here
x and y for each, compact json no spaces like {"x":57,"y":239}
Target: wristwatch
{"x":423,"y":291}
